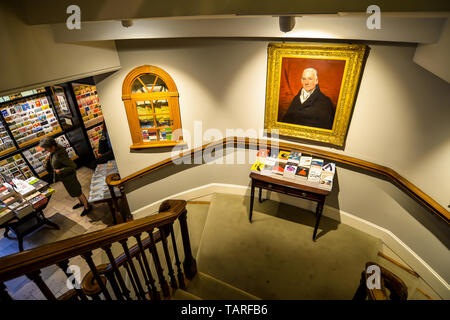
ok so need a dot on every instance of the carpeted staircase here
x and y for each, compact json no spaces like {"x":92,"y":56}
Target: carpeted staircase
{"x":274,"y":257}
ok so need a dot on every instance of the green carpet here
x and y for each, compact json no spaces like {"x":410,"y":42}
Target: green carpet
{"x":275,"y":258}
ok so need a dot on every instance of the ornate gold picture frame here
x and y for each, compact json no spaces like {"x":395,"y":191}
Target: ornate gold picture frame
{"x":311,"y":89}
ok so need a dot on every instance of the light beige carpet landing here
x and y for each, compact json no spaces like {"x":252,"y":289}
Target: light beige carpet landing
{"x":275,"y":258}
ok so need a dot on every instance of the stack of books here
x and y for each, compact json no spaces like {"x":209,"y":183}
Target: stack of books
{"x":295,"y":167}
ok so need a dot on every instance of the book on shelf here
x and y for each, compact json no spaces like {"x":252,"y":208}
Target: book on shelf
{"x":314,"y":173}
{"x":305,"y":161}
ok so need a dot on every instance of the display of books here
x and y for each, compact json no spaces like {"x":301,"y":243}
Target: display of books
{"x":295,"y":167}
{"x":30,"y":119}
{"x":88,"y":103}
{"x":6,"y":142}
{"x":99,"y":189}
{"x":94,"y":135}
{"x":5,"y":214}
{"x":14,"y":167}
{"x":36,"y":155}
{"x":22,"y":94}
{"x":37,"y":183}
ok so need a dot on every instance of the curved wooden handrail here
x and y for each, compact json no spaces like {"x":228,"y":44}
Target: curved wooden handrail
{"x":25,"y":262}
{"x":404,"y":184}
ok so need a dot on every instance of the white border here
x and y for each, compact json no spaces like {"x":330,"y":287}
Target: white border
{"x":204,"y":193}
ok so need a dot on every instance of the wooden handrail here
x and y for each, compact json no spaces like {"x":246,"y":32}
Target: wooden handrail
{"x":249,"y":143}
{"x":25,"y":262}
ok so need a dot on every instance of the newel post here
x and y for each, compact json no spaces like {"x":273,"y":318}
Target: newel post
{"x":189,"y":263}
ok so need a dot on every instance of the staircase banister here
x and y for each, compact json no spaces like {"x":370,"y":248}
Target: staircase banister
{"x":249,"y":143}
{"x":24,"y":262}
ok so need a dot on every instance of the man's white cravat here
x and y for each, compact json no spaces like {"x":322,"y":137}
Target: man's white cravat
{"x":304,"y":95}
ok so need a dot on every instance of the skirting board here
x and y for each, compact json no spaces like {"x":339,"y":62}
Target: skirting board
{"x":204,"y":193}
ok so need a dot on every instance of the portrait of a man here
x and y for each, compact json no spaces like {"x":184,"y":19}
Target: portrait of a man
{"x":310,"y":107}
{"x":311,"y":89}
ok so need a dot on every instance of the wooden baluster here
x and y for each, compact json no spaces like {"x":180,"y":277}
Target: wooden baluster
{"x":110,"y":276}
{"x":116,"y":270}
{"x":189,"y":264}
{"x":64,"y":266}
{"x":4,"y":295}
{"x":180,"y":274}
{"x":154,"y":293}
{"x":133,"y":269}
{"x":164,"y":234}
{"x":35,"y":276}
{"x":133,"y":283}
{"x":159,"y":269}
{"x":88,"y":258}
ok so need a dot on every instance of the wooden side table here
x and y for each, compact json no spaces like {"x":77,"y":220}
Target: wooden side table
{"x":294,"y":189}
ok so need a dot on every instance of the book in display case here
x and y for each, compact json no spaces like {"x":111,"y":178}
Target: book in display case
{"x":30,"y":119}
{"x":94,"y":135}
{"x":88,"y":103}
{"x":36,"y":155}
{"x":14,"y":167}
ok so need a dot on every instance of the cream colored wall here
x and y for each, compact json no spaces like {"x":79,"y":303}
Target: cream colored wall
{"x":400,"y":118}
{"x":399,"y":121}
{"x":29,"y":56}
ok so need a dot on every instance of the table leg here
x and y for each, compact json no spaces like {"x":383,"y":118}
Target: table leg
{"x":20,"y":240}
{"x":6,"y":233}
{"x":318,"y":216}
{"x":111,"y":209}
{"x":44,"y":220}
{"x":260,"y":195}
{"x":252,"y":196}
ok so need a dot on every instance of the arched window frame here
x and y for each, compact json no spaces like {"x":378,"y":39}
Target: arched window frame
{"x":129,"y":99}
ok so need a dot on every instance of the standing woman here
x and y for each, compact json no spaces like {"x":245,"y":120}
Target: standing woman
{"x":63,"y":169}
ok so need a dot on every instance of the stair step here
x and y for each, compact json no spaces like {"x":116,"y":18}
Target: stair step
{"x":181,"y":294}
{"x":210,"y":288}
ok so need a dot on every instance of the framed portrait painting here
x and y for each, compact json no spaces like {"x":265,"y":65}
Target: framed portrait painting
{"x":311,"y":89}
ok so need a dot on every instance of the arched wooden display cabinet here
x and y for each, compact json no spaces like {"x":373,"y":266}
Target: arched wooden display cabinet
{"x":151,"y":102}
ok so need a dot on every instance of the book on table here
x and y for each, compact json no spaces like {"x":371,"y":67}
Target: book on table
{"x":314,"y":173}
{"x":305,"y":161}
{"x":289,"y":170}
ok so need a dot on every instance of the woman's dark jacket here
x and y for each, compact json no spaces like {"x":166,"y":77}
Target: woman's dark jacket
{"x":59,"y":160}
